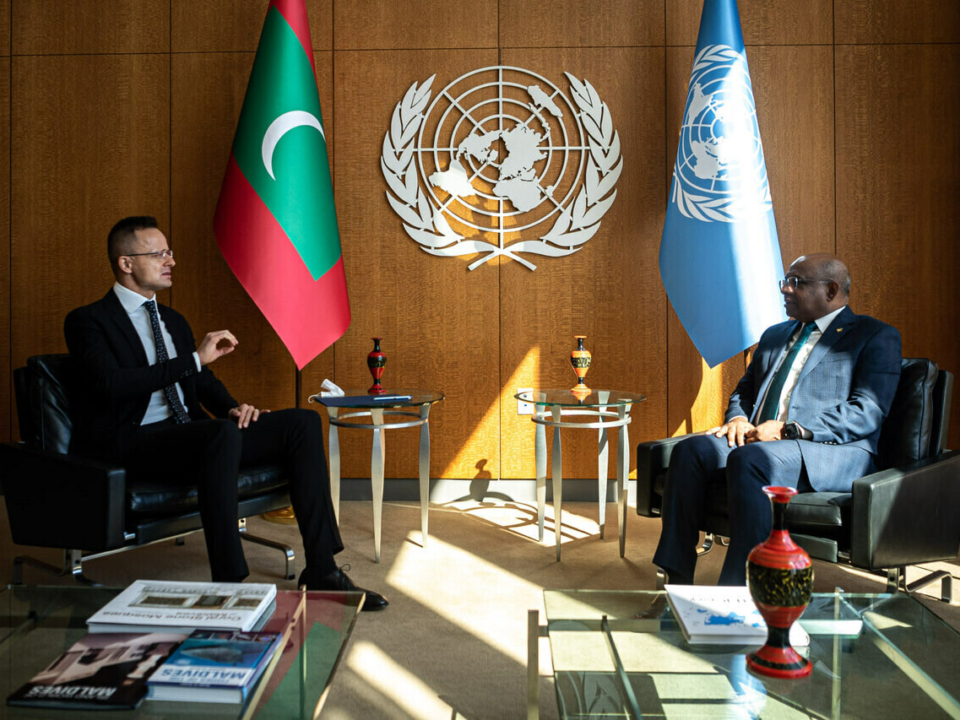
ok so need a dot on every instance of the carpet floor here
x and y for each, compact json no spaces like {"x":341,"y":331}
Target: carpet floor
{"x":453,"y":642}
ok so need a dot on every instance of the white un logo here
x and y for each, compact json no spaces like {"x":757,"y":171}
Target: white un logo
{"x":720,"y":174}
{"x":501,"y":163}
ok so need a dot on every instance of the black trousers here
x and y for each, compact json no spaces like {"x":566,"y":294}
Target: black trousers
{"x":209,"y":453}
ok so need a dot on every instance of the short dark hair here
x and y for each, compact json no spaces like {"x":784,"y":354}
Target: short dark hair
{"x":123,"y":235}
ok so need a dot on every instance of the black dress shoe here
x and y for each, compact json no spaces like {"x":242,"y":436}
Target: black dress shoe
{"x":339,"y":580}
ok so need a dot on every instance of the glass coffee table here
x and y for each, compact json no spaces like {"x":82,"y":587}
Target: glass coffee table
{"x":602,"y":410}
{"x":620,"y":654}
{"x":413,"y":410}
{"x":38,"y":623}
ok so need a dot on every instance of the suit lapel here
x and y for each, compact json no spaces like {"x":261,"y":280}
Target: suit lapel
{"x":839,"y":328}
{"x":120,"y":318}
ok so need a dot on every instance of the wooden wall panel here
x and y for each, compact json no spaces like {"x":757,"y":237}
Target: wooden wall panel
{"x":898,"y":223}
{"x":90,"y":144}
{"x":895,"y":21}
{"x":764,"y":22}
{"x":4,"y":27}
{"x":610,"y":289}
{"x":209,"y":89}
{"x":440,"y":323}
{"x":571,"y":23}
{"x":7,"y":409}
{"x":42,"y":27}
{"x":420,"y":24}
{"x":235,"y":25}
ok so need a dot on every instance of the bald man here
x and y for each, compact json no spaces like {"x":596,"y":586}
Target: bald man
{"x":806,"y":414}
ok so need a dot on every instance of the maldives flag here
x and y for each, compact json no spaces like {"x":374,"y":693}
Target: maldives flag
{"x":276,"y":223}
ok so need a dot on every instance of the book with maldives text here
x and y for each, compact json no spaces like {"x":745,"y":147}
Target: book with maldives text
{"x":217,"y":667}
{"x":152,"y":605}
{"x":107,"y":670}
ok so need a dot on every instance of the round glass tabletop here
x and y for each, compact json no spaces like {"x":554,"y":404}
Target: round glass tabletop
{"x":393,"y":397}
{"x":567,"y":398}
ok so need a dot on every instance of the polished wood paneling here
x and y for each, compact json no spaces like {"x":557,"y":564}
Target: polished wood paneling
{"x":4,"y":27}
{"x":764,"y":22}
{"x":90,"y":144}
{"x":895,"y":21}
{"x":42,"y":27}
{"x":235,"y":25}
{"x":571,"y":23}
{"x":898,"y":226}
{"x":439,"y":323}
{"x":420,"y":24}
{"x":609,"y":290}
{"x":6,"y":396}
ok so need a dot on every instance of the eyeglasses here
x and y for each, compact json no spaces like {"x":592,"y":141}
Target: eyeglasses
{"x":162,"y":254}
{"x":794,"y":282}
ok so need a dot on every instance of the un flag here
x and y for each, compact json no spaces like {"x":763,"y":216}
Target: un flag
{"x":719,"y":254}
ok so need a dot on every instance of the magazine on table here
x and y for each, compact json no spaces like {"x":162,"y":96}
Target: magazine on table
{"x":151,"y":605}
{"x":105,"y":670}
{"x":213,"y":666}
{"x":720,"y":615}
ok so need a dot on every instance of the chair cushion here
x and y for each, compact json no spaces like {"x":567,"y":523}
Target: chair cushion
{"x":49,"y":425}
{"x":905,"y":436}
{"x":153,"y":498}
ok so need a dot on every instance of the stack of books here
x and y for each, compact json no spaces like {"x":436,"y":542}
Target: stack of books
{"x":179,"y":640}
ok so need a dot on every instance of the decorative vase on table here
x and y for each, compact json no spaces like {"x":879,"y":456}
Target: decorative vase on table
{"x":780,"y":576}
{"x":580,"y":359}
{"x":376,"y":361}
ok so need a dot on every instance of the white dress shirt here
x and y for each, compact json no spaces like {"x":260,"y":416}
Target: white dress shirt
{"x":799,"y":361}
{"x":133,"y":303}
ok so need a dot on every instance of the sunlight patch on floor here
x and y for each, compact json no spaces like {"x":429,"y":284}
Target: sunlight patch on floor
{"x":521,"y":519}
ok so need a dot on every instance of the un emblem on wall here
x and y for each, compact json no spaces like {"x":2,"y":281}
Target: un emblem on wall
{"x":501,"y":163}
{"x":720,"y":174}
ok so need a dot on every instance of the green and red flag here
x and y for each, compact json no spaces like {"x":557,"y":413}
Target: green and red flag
{"x":276,"y":223}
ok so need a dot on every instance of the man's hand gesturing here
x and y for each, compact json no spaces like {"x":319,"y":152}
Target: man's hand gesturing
{"x":245,"y":414}
{"x":215,"y":345}
{"x":735,"y":431}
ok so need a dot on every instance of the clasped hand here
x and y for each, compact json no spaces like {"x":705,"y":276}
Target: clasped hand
{"x":740,"y":431}
{"x":245,"y":414}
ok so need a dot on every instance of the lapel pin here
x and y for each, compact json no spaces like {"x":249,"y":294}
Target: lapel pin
{"x":839,"y":329}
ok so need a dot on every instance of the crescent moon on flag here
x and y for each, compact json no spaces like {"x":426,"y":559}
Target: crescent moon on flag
{"x":279,"y":127}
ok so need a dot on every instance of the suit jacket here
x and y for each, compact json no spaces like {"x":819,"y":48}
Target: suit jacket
{"x":843,"y":394}
{"x":113,"y":381}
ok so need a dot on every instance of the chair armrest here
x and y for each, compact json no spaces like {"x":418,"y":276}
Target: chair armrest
{"x":907,"y":515}
{"x":653,"y":458}
{"x":62,"y":501}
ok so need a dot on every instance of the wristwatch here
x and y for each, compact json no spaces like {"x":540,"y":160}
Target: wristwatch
{"x":791,"y":431}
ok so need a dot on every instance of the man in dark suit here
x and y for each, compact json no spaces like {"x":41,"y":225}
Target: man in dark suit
{"x":806,"y":414}
{"x":139,"y":403}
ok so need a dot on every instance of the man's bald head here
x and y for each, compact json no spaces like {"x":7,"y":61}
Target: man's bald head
{"x":828,"y":267}
{"x":822,"y":286}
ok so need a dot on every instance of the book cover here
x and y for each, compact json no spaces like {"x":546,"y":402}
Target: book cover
{"x":148,"y":605}
{"x":211,"y":666}
{"x":722,"y":615}
{"x":104,"y":670}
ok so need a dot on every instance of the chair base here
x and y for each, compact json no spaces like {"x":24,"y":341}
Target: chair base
{"x":289,"y":573}
{"x":897,"y":582}
{"x":72,"y":565}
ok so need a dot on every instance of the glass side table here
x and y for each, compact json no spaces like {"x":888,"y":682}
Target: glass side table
{"x":604,"y":409}
{"x":412,"y":412}
{"x":621,"y":654}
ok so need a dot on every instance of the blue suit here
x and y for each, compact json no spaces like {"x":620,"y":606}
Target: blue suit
{"x":842,"y":396}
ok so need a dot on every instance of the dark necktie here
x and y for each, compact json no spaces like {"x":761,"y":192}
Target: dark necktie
{"x":772,"y":403}
{"x":170,"y":391}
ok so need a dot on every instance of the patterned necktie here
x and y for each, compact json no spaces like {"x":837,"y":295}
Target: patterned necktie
{"x":772,"y":403}
{"x":170,"y":391}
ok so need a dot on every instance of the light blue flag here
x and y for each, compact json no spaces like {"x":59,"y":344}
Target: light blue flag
{"x":719,"y":255}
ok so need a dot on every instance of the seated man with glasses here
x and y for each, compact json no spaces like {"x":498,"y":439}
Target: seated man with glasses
{"x":142,"y":381}
{"x":806,"y":414}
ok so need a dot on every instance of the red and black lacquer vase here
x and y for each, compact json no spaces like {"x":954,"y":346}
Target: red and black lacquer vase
{"x":580,"y":359}
{"x":780,"y":576}
{"x":376,"y":361}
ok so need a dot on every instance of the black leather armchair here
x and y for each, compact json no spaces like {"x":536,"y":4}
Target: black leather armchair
{"x":906,"y":513}
{"x":90,"y":508}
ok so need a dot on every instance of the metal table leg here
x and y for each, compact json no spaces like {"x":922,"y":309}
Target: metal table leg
{"x":334,"y":442}
{"x":623,"y":473}
{"x":602,"y":459}
{"x":541,"y":457}
{"x":377,"y":459}
{"x":424,"y":471}
{"x":557,"y":477}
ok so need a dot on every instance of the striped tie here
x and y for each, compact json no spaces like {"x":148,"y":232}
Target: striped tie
{"x":170,"y":391}
{"x":772,"y":403}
